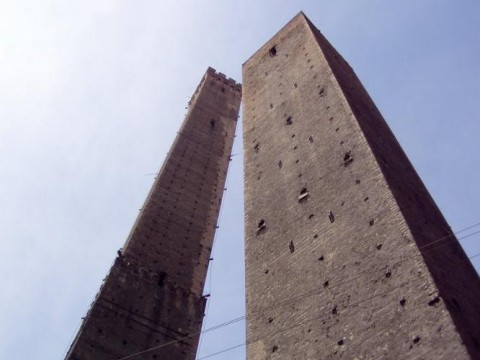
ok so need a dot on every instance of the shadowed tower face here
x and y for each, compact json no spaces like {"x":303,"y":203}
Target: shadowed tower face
{"x":153,"y":293}
{"x":347,"y":256}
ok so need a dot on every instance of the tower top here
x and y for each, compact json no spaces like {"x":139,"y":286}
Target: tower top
{"x":331,"y":198}
{"x":215,"y":75}
{"x":300,"y":18}
{"x":222,"y":77}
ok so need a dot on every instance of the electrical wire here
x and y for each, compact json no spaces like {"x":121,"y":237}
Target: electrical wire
{"x":292,"y":299}
{"x":226,"y":323}
{"x":222,"y":351}
{"x":303,"y":322}
{"x":474,"y":256}
{"x":426,"y":246}
{"x":450,"y":235}
{"x":306,"y":321}
{"x":211,"y":265}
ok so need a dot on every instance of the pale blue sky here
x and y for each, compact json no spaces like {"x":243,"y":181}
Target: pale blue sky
{"x":92,"y":94}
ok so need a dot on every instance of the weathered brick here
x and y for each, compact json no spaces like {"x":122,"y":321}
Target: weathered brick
{"x":361,"y":280}
{"x":153,"y":293}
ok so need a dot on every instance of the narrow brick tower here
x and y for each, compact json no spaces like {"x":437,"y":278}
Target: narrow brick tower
{"x":347,"y":255}
{"x":153,"y":293}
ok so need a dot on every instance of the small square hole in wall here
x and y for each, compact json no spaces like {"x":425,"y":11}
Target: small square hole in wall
{"x":273,"y":51}
{"x":303,"y":195}
{"x":331,"y":217}
{"x":347,"y":159}
{"x":162,"y":278}
{"x":261,"y":226}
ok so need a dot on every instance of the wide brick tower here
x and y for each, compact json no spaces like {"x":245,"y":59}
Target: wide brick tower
{"x":151,"y":304}
{"x":347,"y":255}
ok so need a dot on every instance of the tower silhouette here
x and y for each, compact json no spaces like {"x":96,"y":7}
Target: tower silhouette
{"x":151,"y":303}
{"x":347,"y":255}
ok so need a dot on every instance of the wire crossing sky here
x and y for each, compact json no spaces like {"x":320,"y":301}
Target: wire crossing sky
{"x":92,"y":94}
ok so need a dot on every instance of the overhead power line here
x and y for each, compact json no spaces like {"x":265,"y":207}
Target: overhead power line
{"x":294,"y":298}
{"x":210,"y":263}
{"x":303,"y":322}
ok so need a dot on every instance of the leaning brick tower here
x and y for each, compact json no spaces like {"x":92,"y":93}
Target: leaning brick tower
{"x":151,"y":303}
{"x":347,"y":255}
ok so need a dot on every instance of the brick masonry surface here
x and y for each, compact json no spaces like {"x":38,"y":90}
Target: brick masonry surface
{"x":153,"y":293}
{"x":347,"y":255}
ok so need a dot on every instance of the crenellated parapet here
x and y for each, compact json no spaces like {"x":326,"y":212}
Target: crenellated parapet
{"x":221,"y":79}
{"x":211,"y":72}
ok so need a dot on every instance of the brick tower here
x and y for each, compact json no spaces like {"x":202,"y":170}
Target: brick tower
{"x":153,"y":293}
{"x":347,"y":255}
